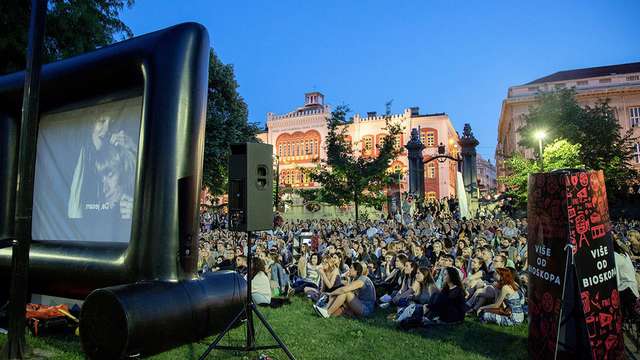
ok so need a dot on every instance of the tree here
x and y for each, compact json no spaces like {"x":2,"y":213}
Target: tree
{"x":604,"y":145}
{"x":560,"y":154}
{"x":72,"y":27}
{"x":346,"y":176}
{"x":226,"y":124}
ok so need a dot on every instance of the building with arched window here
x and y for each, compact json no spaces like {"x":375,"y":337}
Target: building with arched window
{"x":298,"y":139}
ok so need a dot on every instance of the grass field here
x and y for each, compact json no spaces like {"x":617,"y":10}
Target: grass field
{"x":310,"y":337}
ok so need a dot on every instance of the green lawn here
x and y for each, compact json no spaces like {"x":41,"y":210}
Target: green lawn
{"x":310,"y":337}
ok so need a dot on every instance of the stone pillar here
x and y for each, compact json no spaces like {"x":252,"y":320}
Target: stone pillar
{"x":416,"y":165}
{"x":468,"y":144}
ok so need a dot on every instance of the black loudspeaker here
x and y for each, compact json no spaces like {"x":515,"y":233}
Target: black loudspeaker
{"x":251,"y":187}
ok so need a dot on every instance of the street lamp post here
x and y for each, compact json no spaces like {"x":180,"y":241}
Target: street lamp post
{"x":540,"y":135}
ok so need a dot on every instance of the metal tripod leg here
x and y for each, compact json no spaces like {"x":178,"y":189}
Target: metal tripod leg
{"x":249,"y":309}
{"x":215,"y":342}
{"x":273,"y":333}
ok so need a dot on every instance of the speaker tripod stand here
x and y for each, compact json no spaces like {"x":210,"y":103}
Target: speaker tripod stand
{"x":249,"y":309}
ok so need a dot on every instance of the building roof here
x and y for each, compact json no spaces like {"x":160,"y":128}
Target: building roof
{"x":589,"y":73}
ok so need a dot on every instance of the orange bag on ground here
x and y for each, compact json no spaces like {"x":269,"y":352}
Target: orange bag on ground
{"x":43,"y":317}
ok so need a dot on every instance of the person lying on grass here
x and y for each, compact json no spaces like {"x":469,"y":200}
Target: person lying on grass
{"x":356,"y":298}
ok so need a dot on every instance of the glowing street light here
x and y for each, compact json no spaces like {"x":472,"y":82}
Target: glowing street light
{"x":540,"y":135}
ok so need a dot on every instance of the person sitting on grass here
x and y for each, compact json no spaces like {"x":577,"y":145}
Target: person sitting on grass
{"x":489,"y":292}
{"x":423,"y":291}
{"x":406,"y":292}
{"x":477,"y":272}
{"x":260,"y":286}
{"x":394,"y":281}
{"x":424,"y":287}
{"x":459,"y":264}
{"x":634,"y":244}
{"x":279,"y":277}
{"x":356,"y":298}
{"x":419,"y":257}
{"x":448,"y":305}
{"x":329,"y":277}
{"x":308,"y":272}
{"x":507,"y":309}
{"x":626,"y":280}
{"x":445,"y":261}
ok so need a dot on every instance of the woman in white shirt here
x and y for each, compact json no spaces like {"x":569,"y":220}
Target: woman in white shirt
{"x":260,"y":286}
{"x":626,"y":277}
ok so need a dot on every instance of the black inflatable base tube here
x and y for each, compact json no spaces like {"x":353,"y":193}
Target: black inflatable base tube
{"x":150,"y":317}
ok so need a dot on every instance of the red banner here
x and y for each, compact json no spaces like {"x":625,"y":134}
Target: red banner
{"x":568,"y":210}
{"x":589,"y":233}
{"x":547,"y":232}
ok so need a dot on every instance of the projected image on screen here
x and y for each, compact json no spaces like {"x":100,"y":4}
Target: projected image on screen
{"x":85,"y":172}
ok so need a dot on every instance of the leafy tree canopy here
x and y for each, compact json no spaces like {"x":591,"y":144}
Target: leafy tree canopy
{"x":226,"y":123}
{"x":72,"y":27}
{"x":560,"y":154}
{"x":604,"y":146}
{"x":348,"y":176}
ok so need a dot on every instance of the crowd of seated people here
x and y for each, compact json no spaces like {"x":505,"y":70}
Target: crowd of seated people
{"x":432,"y":268}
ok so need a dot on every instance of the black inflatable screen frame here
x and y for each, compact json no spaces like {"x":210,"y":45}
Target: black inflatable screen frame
{"x":169,"y":68}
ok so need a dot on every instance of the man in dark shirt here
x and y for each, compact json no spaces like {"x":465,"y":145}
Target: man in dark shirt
{"x":228,"y":261}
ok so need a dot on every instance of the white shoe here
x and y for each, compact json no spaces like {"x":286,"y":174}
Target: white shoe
{"x":386,"y":298}
{"x":321,"y":311}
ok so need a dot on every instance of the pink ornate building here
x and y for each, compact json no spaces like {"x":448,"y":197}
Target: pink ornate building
{"x":298,"y":140}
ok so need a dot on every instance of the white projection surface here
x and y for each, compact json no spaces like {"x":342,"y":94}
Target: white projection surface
{"x":85,"y":173}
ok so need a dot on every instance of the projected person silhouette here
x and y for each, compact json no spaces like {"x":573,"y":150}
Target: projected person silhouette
{"x":103,"y":178}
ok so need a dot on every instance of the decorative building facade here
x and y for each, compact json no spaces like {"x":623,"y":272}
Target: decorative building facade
{"x":618,"y":83}
{"x":298,"y":140}
{"x":486,"y":175}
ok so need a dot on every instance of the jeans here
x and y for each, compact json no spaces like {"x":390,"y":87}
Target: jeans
{"x":279,"y":275}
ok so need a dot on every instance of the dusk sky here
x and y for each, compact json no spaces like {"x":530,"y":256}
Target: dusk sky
{"x":457,"y":57}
